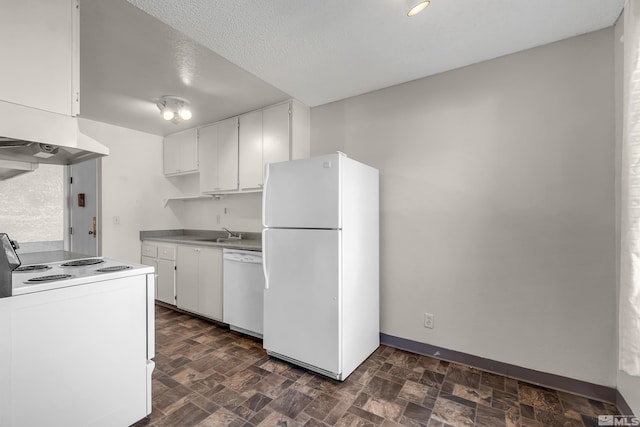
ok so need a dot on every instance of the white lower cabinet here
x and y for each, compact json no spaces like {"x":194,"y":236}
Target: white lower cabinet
{"x":166,"y":283}
{"x":162,"y":257}
{"x":199,"y":280}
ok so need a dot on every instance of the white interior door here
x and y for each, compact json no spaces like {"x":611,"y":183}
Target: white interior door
{"x":302,"y":296}
{"x":84,"y":200}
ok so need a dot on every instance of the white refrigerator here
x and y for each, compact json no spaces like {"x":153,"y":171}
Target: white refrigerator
{"x":321,"y":263}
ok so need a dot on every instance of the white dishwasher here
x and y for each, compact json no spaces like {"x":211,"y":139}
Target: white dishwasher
{"x":243,"y":293}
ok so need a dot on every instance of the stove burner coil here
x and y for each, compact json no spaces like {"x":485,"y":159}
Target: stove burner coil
{"x":82,"y":262}
{"x":113,"y":268}
{"x":31,"y":268}
{"x":50,"y":278}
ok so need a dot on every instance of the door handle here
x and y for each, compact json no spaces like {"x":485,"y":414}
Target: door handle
{"x":264,"y":260}
{"x":265,"y":191}
{"x":93,"y":233}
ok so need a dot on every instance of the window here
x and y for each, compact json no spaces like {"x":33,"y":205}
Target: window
{"x":32,"y":205}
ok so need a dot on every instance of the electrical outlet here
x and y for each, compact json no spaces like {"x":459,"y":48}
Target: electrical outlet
{"x":429,"y":320}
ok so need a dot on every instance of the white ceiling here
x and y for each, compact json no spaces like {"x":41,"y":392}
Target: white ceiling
{"x":129,"y":59}
{"x":314,"y":51}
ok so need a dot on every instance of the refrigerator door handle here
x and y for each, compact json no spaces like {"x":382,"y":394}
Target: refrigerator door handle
{"x":265,"y":190}
{"x":264,"y":259}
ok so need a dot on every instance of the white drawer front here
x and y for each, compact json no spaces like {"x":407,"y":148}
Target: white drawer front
{"x":167,"y":252}
{"x":149,"y":250}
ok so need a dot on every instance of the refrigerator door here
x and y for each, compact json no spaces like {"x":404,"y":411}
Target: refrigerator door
{"x":302,"y":193}
{"x":302,"y":297}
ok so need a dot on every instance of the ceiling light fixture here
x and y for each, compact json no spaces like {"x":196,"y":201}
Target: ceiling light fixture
{"x":174,"y":109}
{"x":416,"y":6}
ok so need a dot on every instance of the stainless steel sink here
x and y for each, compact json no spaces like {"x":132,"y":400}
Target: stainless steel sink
{"x":228,"y":240}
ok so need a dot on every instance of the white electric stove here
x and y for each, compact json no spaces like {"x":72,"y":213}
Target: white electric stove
{"x":47,"y":276}
{"x":77,"y":343}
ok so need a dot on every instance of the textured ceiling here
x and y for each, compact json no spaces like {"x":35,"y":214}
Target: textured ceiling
{"x":230,"y":57}
{"x":322,"y":51}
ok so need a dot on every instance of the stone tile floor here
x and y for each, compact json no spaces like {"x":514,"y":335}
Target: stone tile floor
{"x":207,"y":375}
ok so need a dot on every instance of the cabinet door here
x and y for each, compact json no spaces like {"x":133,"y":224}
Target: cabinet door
{"x":181,"y":152}
{"x":171,"y":156}
{"x":187,"y":278}
{"x":208,"y":146}
{"x":166,"y":281}
{"x":300,"y":138}
{"x":210,"y":283}
{"x":275,"y":134}
{"x":40,"y":54}
{"x":250,"y":147}
{"x":228,"y":154}
{"x":189,"y":151}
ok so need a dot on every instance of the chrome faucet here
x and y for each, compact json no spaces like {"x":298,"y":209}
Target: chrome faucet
{"x":232,"y":235}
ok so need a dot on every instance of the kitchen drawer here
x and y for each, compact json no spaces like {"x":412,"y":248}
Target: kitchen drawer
{"x":167,"y":252}
{"x":149,"y":250}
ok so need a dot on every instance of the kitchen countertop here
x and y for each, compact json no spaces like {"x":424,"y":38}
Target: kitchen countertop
{"x":249,"y":241}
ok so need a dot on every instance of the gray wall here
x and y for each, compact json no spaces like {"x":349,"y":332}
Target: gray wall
{"x":497,"y":205}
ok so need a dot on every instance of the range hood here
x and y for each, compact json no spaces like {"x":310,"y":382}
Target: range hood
{"x":38,"y":136}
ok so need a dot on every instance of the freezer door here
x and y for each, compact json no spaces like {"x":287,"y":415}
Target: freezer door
{"x":303,"y":193}
{"x":302,"y":296}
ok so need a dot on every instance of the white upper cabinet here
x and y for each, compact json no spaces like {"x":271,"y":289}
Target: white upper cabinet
{"x":250,"y":162}
{"x":40,"y":53}
{"x":230,"y":155}
{"x":274,"y":134}
{"x":218,"y":158}
{"x":181,"y":152}
{"x":208,"y":148}
{"x":299,"y":131}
